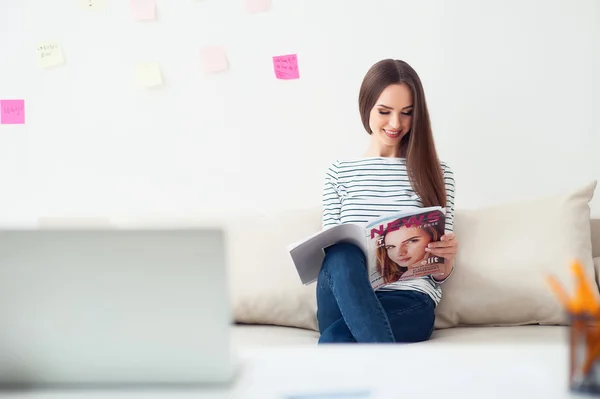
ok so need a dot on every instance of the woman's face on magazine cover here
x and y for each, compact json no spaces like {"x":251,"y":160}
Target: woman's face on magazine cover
{"x":406,"y":246}
{"x":391,"y":117}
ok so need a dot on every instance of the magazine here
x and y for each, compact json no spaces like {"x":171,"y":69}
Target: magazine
{"x":394,"y":246}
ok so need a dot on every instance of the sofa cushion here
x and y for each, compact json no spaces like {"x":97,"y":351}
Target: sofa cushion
{"x":246,"y":337}
{"x":264,"y":284}
{"x":505,"y":254}
{"x":485,"y":335}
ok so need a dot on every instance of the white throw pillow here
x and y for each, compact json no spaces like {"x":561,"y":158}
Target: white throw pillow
{"x":264,"y":285}
{"x":505,"y":254}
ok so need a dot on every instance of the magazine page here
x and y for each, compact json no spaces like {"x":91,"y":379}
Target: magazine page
{"x":308,"y":254}
{"x":396,"y":245}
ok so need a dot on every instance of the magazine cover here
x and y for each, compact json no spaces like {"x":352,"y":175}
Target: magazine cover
{"x":396,"y":246}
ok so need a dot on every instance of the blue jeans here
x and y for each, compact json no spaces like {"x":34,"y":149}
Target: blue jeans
{"x":349,"y":310}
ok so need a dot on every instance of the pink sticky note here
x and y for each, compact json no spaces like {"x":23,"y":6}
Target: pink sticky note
{"x":143,"y":10}
{"x":258,"y":5}
{"x":12,"y":112}
{"x":213,"y":59}
{"x":286,"y":66}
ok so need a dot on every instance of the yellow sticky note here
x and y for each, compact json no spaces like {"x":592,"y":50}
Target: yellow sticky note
{"x":94,"y":5}
{"x":214,"y":59}
{"x":148,"y":75}
{"x":50,"y":54}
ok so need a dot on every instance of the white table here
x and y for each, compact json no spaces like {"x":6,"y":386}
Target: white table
{"x":421,"y":370}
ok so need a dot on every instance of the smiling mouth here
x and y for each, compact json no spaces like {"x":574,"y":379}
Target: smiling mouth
{"x":404,"y":260}
{"x":392,"y":133}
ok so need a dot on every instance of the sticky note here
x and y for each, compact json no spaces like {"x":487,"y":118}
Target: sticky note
{"x":148,"y":75}
{"x":94,"y":5}
{"x":286,"y":66}
{"x":50,"y":54}
{"x":12,"y":112}
{"x":253,"y":6}
{"x":143,"y":10}
{"x":214,"y":59}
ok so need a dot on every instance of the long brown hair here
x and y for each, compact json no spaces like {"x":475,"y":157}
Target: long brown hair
{"x":389,"y":270}
{"x":417,"y":146}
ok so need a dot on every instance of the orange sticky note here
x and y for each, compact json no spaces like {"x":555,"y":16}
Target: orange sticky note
{"x":12,"y":112}
{"x":253,"y":6}
{"x":143,"y":10}
{"x":286,"y":66}
{"x":214,"y":59}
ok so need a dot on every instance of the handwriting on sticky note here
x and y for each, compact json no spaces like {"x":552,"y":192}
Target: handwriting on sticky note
{"x":286,"y":66}
{"x":214,"y":59}
{"x":12,"y":112}
{"x":94,"y":5}
{"x":253,"y":6}
{"x":50,"y":54}
{"x":148,"y":75}
{"x":143,"y":10}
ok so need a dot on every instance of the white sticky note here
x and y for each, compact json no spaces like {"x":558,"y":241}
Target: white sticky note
{"x":148,"y":75}
{"x":94,"y":5}
{"x":214,"y":59}
{"x":50,"y":54}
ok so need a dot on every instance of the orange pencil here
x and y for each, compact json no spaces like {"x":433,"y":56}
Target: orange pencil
{"x":560,"y":293}
{"x":592,"y":356}
{"x":585,"y":307}
{"x":585,"y":298}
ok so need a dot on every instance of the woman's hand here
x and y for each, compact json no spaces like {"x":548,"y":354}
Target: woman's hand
{"x":447,"y":248}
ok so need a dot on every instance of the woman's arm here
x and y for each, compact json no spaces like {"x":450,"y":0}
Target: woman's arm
{"x":449,"y":244}
{"x":447,"y":249}
{"x":449,"y":184}
{"x":332,"y":205}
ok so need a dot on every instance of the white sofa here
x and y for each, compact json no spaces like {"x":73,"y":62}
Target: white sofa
{"x":498,"y":292}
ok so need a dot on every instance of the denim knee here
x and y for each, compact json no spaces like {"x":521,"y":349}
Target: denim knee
{"x":345,"y":253}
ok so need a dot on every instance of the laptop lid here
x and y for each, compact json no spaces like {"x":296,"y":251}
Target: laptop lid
{"x":107,"y":306}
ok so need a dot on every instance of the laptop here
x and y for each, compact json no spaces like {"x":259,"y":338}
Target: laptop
{"x":111,"y":307}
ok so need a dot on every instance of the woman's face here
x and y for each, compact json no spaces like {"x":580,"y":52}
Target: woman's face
{"x":406,"y":246}
{"x":391,"y":117}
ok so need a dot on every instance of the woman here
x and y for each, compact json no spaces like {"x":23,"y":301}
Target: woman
{"x":403,"y":249}
{"x":394,"y":113}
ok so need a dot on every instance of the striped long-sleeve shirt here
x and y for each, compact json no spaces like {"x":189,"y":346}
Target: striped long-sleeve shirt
{"x":359,"y":190}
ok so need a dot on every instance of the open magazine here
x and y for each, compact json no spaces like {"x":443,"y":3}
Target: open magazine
{"x":394,"y":246}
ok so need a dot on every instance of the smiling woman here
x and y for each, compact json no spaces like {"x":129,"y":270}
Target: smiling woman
{"x":391,"y":119}
{"x":400,"y":170}
{"x":394,"y":112}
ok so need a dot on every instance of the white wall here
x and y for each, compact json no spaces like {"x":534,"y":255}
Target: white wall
{"x":513,"y":89}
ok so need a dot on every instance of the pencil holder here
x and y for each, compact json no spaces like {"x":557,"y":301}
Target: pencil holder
{"x":584,"y":352}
